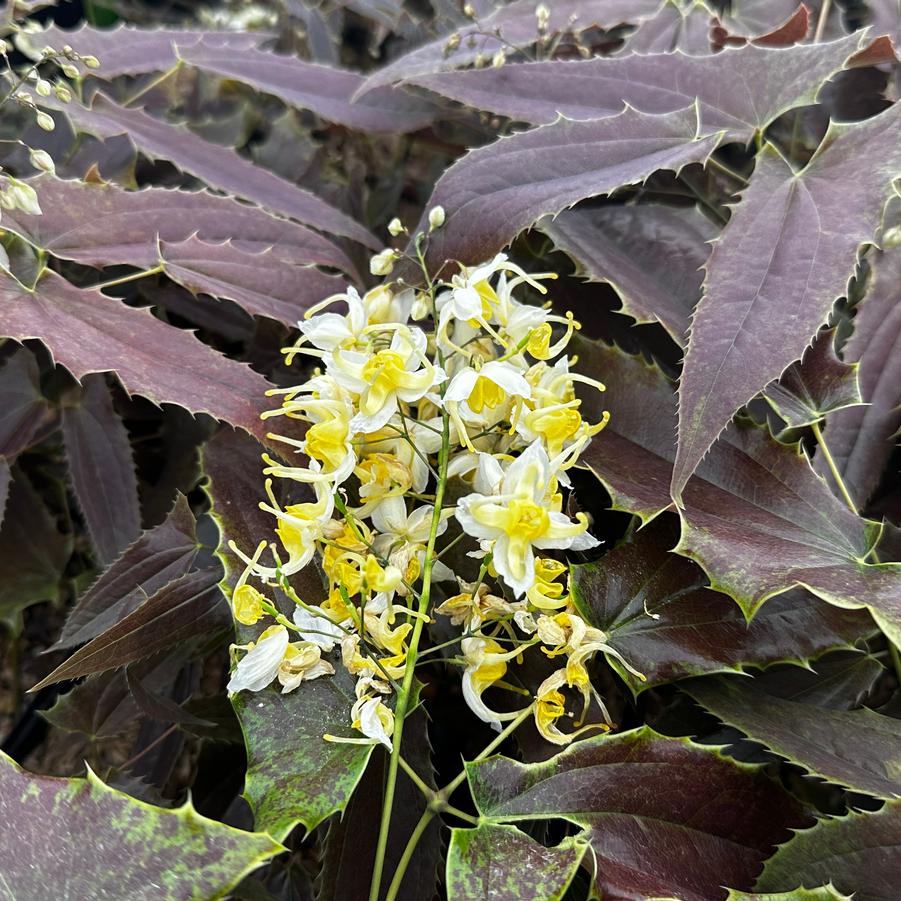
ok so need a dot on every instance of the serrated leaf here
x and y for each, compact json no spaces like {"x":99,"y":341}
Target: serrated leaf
{"x":664,"y":816}
{"x":739,"y":91}
{"x":862,"y":439}
{"x":189,"y":606}
{"x":517,"y":27}
{"x":86,"y":332}
{"x":651,"y":254}
{"x":793,"y":30}
{"x":858,"y":853}
{"x":220,"y":167}
{"x":819,"y":384}
{"x":822,"y":893}
{"x":660,"y":615}
{"x":756,"y":516}
{"x":260,"y":282}
{"x":23,"y":409}
{"x":493,"y":193}
{"x":674,"y":27}
{"x":859,"y":749}
{"x":325,"y":90}
{"x":79,"y":838}
{"x":102,"y":470}
{"x":126,"y":226}
{"x":503,"y":864}
{"x":100,"y":707}
{"x":126,"y":50}
{"x":777,"y":245}
{"x":157,"y":558}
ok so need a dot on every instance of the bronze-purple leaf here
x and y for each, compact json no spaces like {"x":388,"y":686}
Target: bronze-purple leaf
{"x":659,"y":613}
{"x":664,"y":816}
{"x":785,"y":257}
{"x":493,"y":193}
{"x":102,"y":470}
{"x":23,"y":410}
{"x":673,"y":27}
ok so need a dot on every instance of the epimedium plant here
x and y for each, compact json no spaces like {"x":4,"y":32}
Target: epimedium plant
{"x":559,"y":535}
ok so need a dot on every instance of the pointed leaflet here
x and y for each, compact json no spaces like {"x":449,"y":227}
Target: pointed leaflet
{"x":859,"y":749}
{"x":323,"y":89}
{"x":660,"y":615}
{"x":220,"y":167}
{"x":739,"y":91}
{"x":190,"y":606}
{"x":79,"y":838}
{"x":504,"y":864}
{"x":260,"y":282}
{"x":86,"y":331}
{"x":756,"y":517}
{"x":125,"y":226}
{"x":821,"y":893}
{"x":862,"y":439}
{"x":819,"y":384}
{"x":158,"y":557}
{"x":517,"y":26}
{"x":674,"y":27}
{"x":493,"y":193}
{"x":23,"y":409}
{"x":664,"y":816}
{"x":102,"y":470}
{"x":293,"y":775}
{"x":651,"y":254}
{"x":132,"y":51}
{"x":858,"y":853}
{"x":786,"y":255}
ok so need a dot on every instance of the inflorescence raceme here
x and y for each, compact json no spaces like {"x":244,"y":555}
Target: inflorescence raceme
{"x":458,"y":385}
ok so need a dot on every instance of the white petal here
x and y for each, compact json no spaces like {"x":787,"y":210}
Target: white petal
{"x":489,"y":475}
{"x":390,"y":517}
{"x":370,"y":723}
{"x":519,"y":584}
{"x":260,"y":664}
{"x":461,"y":385}
{"x":319,"y":630}
{"x":326,"y":331}
{"x":506,"y":376}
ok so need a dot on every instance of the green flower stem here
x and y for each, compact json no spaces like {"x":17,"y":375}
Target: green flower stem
{"x":404,"y":862}
{"x":133,"y":277}
{"x":833,"y":468}
{"x":403,"y":697}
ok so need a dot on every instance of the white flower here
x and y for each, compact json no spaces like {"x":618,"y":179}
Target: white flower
{"x":330,"y":330}
{"x":302,"y":662}
{"x":316,"y":626}
{"x":382,"y":263}
{"x":259,"y":666}
{"x":486,"y":662}
{"x":524,"y":514}
{"x":374,"y":720}
{"x":403,"y":538}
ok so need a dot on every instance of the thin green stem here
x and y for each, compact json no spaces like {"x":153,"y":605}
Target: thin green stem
{"x":833,"y":468}
{"x":404,"y":862}
{"x":155,"y":82}
{"x":821,"y":22}
{"x":416,"y":779}
{"x":133,"y":277}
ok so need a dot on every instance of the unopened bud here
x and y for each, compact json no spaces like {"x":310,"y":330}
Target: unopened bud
{"x":43,"y":87}
{"x":70,"y":71}
{"x":382,"y":263}
{"x":468,"y":11}
{"x":436,"y":217}
{"x":46,"y":122}
{"x":91,"y":62}
{"x":542,"y":14}
{"x":23,"y":196}
{"x":42,"y":160}
{"x":452,"y":43}
{"x":395,"y":227}
{"x":4,"y":47}
{"x":499,"y":58}
{"x":64,"y":94}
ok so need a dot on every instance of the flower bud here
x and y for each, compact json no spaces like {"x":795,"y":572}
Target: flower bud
{"x":436,"y":217}
{"x":43,"y":87}
{"x":70,"y":71}
{"x":542,"y":14}
{"x":469,"y":11}
{"x":23,"y":196}
{"x":395,"y":227}
{"x":382,"y":263}
{"x":499,"y":58}
{"x":63,"y":93}
{"x":453,"y":42}
{"x":42,"y":160}
{"x":91,"y":62}
{"x":46,"y":122}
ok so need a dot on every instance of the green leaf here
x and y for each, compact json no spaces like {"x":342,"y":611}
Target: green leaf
{"x":501,"y":863}
{"x":858,"y":853}
{"x":819,"y":384}
{"x":663,"y":816}
{"x":823,"y":893}
{"x":859,"y":749}
{"x":659,"y":613}
{"x":79,"y":838}
{"x":743,"y":334}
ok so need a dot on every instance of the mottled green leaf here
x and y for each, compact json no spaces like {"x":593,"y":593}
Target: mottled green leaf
{"x":778,"y":244}
{"x":859,"y":749}
{"x":857,"y":853}
{"x":660,"y":615}
{"x":79,"y":838}
{"x":823,"y":893}
{"x":501,"y":863}
{"x":663,"y":816}
{"x":819,"y":384}
{"x":102,"y":470}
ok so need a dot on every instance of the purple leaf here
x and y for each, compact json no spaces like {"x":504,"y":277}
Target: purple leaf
{"x":102,"y":470}
{"x":858,"y":853}
{"x":190,"y":606}
{"x":862,"y":439}
{"x":651,"y":254}
{"x":776,"y":271}
{"x":493,"y":193}
{"x":23,"y":410}
{"x":133,"y":51}
{"x":819,"y":384}
{"x":324,"y":90}
{"x":261,"y":282}
{"x":517,"y":25}
{"x":86,"y":332}
{"x":673,"y":27}
{"x":157,"y":558}
{"x":756,"y":516}
{"x":660,"y":615}
{"x":740,"y":90}
{"x":220,"y":167}
{"x":79,"y":838}
{"x":664,"y":816}
{"x":125,"y":225}
{"x":855,"y":748}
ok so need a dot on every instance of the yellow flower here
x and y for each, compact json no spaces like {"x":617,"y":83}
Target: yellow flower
{"x":301,"y":663}
{"x":486,"y":663}
{"x":550,"y":706}
{"x":547,"y":593}
{"x":247,"y":604}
